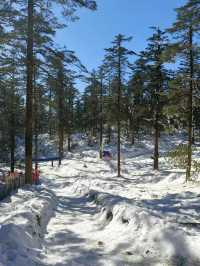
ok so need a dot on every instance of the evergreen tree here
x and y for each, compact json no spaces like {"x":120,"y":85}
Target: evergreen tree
{"x":184,"y":30}
{"x":91,"y":105}
{"x":154,"y":54}
{"x":117,"y":57}
{"x":135,"y":98}
{"x":44,"y":7}
{"x":101,"y":111}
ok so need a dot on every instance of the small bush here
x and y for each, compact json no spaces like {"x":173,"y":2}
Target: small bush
{"x":178,"y":158}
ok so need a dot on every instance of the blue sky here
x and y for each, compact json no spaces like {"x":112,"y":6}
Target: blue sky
{"x":95,"y":30}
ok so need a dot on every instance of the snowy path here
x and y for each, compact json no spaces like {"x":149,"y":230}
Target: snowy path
{"x":83,"y":215}
{"x":73,"y":236}
{"x":67,"y":241}
{"x":82,"y":233}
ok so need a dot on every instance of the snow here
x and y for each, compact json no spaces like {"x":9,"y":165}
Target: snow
{"x":84,"y":215}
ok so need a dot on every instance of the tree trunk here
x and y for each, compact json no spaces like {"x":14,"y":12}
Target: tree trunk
{"x":69,"y":142}
{"x":61,"y":141}
{"x":190,"y":106}
{"x":119,"y":147}
{"x":193,"y":135}
{"x":132,"y":137}
{"x":36,"y":97}
{"x":156,"y":144}
{"x":109,"y":132}
{"x":12,"y":148}
{"x":70,"y":111}
{"x":101,"y":122}
{"x":29,"y":97}
{"x":132,"y":130}
{"x":119,"y":118}
{"x":36,"y":149}
{"x":158,"y":112}
{"x":60,"y":115}
{"x":12,"y":126}
{"x":50,"y":114}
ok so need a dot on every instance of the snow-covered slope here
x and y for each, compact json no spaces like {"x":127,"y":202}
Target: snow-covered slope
{"x":83,"y":214}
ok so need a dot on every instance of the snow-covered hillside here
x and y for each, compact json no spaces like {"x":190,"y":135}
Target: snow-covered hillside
{"x":83,"y":214}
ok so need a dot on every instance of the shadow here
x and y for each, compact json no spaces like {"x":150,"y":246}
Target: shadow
{"x":75,"y":205}
{"x":180,"y":208}
{"x":69,"y":248}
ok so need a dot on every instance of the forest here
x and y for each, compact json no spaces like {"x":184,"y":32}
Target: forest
{"x":108,"y":174}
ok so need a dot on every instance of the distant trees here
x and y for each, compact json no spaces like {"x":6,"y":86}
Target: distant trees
{"x":62,"y":93}
{"x":39,"y":94}
{"x":136,"y":102}
{"x":101,"y":73}
{"x":91,"y":105}
{"x":152,"y":96}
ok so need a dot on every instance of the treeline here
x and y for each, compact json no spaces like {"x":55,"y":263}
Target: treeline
{"x":142,"y":94}
{"x":36,"y":78}
{"x":131,"y":93}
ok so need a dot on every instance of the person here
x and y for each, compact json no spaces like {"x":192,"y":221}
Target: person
{"x":107,"y":155}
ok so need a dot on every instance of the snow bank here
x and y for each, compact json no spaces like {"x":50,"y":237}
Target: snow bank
{"x":152,"y":229}
{"x":21,"y":230}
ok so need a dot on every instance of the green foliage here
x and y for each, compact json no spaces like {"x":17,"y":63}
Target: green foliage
{"x":178,"y":158}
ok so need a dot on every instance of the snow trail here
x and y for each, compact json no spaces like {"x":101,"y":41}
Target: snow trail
{"x":133,"y":220}
{"x":84,"y":215}
{"x":67,"y":241}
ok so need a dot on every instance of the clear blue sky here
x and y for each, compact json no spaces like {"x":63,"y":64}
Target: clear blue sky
{"x":95,"y":30}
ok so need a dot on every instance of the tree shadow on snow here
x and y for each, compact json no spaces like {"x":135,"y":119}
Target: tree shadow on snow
{"x":180,"y":207}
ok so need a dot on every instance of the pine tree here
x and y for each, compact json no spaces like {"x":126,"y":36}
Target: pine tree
{"x":109,"y":102}
{"x":117,"y":57}
{"x":71,"y":93}
{"x":91,"y":105}
{"x":101,"y":113}
{"x":135,"y":98}
{"x":184,"y":30}
{"x":154,"y":54}
{"x":60,"y":78}
{"x":43,"y":12}
{"x":29,"y":94}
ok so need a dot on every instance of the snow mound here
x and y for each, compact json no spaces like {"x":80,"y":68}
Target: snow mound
{"x":22,"y":231}
{"x":151,"y":234}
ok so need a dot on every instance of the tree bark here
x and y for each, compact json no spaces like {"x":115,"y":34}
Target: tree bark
{"x":156,"y":144}
{"x":50,"y":114}
{"x":29,"y":96}
{"x":132,"y":130}
{"x":158,"y":111}
{"x":60,"y":115}
{"x":12,"y":124}
{"x":12,"y":145}
{"x":36,"y":97}
{"x":119,"y":116}
{"x":101,"y":121}
{"x":190,"y":106}
{"x":69,"y":142}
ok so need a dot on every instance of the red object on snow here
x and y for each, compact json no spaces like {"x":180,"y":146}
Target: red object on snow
{"x":35,"y":176}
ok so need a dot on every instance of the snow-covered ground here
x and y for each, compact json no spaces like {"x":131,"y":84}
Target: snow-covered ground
{"x":84,"y":215}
